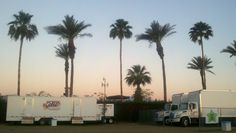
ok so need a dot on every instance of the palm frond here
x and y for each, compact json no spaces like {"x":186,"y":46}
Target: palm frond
{"x":62,"y":51}
{"x":138,"y":75}
{"x":197,"y":64}
{"x":120,"y":29}
{"x":230,"y":49}
{"x":200,"y":30}
{"x":156,"y":32}
{"x":21,"y":27}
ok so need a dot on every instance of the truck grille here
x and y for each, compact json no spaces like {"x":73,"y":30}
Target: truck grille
{"x":172,"y":115}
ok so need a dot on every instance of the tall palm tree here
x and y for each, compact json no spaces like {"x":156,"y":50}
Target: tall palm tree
{"x":230,"y":49}
{"x":21,"y":28}
{"x":155,"y":34}
{"x":62,"y":51}
{"x":199,"y":31}
{"x":121,"y":29}
{"x":137,"y":76}
{"x":197,"y":63}
{"x":69,"y":30}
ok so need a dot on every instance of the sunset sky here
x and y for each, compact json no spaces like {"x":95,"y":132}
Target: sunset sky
{"x":98,"y":56}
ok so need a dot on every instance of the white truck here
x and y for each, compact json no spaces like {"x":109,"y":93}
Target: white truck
{"x":206,"y":107}
{"x":77,"y":110}
{"x":163,"y":115}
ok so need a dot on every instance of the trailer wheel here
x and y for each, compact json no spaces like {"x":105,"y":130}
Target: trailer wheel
{"x":42,"y":122}
{"x":104,"y":120}
{"x":110,"y":121}
{"x":185,"y":122}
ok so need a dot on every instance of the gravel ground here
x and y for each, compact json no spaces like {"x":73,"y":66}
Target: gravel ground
{"x":109,"y":128}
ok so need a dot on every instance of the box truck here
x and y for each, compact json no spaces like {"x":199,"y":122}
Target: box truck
{"x":206,"y":107}
{"x":37,"y":109}
{"x":163,"y":115}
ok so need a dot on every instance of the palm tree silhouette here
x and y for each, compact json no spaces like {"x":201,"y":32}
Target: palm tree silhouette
{"x":62,"y":51}
{"x":197,"y":63}
{"x":199,"y":31}
{"x":230,"y":49}
{"x":21,"y":28}
{"x":121,"y":29}
{"x":69,"y":30}
{"x":137,"y":76}
{"x":155,"y":34}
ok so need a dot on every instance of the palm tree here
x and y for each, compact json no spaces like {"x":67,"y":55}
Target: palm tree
{"x":198,"y":64}
{"x":69,"y":30}
{"x":137,"y":76}
{"x":230,"y":49}
{"x":21,"y":28}
{"x":155,"y":34}
{"x":199,"y":31}
{"x":62,"y":51}
{"x":120,"y":29}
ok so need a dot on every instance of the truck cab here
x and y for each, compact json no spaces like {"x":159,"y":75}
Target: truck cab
{"x":163,"y":115}
{"x":186,"y":114}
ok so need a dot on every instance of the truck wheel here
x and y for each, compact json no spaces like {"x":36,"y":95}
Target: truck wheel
{"x":185,"y":122}
{"x":110,"y":121}
{"x":166,"y":121}
{"x":104,"y":120}
{"x":42,"y":122}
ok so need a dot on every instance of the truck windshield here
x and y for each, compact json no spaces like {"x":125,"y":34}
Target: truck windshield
{"x":174,"y":107}
{"x":167,"y":107}
{"x":183,"y":106}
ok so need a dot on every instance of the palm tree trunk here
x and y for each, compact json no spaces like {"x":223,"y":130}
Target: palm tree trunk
{"x":160,"y":52}
{"x":203,"y":66}
{"x":202,"y":78}
{"x":72,"y":77}
{"x":138,"y":94}
{"x":121,"y":87}
{"x":66,"y":77}
{"x":19,"y":67}
{"x":72,"y":56}
{"x":164,"y":80}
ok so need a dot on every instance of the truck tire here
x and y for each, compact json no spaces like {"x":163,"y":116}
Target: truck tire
{"x":42,"y":122}
{"x":104,"y":120}
{"x":185,"y":122}
{"x":110,"y":121}
{"x":166,"y":121}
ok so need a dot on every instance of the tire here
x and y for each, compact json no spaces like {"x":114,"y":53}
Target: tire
{"x":166,"y":121}
{"x":104,"y":121}
{"x":110,"y":121}
{"x":42,"y":122}
{"x":185,"y":122}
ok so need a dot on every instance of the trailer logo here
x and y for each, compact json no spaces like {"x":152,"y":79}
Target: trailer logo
{"x":212,"y":116}
{"x":52,"y":105}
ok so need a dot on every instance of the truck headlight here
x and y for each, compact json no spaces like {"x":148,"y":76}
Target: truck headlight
{"x":177,"y":116}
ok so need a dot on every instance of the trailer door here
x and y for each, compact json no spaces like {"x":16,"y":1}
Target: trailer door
{"x":76,"y":106}
{"x":28,"y":106}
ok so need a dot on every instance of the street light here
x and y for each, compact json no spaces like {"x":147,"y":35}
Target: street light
{"x":104,"y":85}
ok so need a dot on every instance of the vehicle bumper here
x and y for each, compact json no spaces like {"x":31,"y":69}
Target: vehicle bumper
{"x":176,"y":120}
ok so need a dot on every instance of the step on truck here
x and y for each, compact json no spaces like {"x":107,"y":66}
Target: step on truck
{"x":206,"y":107}
{"x":37,"y":109}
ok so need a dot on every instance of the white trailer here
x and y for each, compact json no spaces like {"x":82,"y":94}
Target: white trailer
{"x":77,"y":110}
{"x":163,"y":115}
{"x":206,"y":107}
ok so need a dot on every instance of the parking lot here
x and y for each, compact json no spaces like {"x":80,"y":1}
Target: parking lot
{"x":108,"y":128}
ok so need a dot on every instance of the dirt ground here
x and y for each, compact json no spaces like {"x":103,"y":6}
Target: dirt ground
{"x":108,"y":128}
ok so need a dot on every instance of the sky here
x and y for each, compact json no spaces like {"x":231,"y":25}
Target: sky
{"x":98,"y":56}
